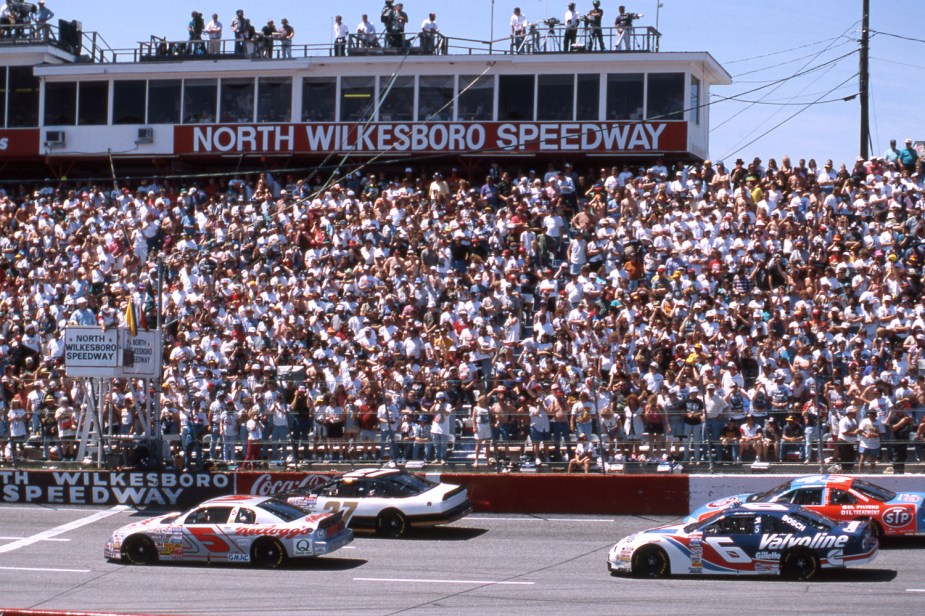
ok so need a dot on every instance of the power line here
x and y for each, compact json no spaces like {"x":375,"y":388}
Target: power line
{"x":777,"y":53}
{"x":786,"y":62}
{"x":899,"y":36}
{"x":831,"y":100}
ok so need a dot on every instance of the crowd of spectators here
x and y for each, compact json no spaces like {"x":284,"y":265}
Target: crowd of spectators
{"x":696,"y":313}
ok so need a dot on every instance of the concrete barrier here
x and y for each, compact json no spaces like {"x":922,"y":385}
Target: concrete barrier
{"x":581,"y":494}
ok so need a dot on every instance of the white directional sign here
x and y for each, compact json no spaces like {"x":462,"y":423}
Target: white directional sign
{"x":114,"y":353}
{"x":90,"y":351}
{"x":143,"y":359}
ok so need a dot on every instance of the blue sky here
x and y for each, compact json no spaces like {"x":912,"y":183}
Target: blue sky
{"x":757,"y":43}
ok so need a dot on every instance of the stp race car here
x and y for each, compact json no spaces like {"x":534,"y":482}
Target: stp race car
{"x":388,"y":501}
{"x":840,"y":498}
{"x":234,"y":529}
{"x":747,"y":539}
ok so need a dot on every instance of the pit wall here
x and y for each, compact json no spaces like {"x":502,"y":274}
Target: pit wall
{"x":667,"y":495}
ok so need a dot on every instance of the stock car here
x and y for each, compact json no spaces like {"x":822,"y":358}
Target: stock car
{"x":747,"y":539}
{"x":230,"y":529}
{"x":387,"y":501}
{"x":841,"y":498}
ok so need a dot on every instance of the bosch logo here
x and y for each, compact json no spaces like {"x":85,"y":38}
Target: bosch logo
{"x":896,"y":517}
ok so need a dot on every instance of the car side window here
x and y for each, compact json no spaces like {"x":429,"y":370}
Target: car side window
{"x":209,"y":515}
{"x":733,"y":525}
{"x":332,"y":489}
{"x":841,"y":497}
{"x":245,"y":516}
{"x":771,"y":524}
{"x":808,"y":496}
{"x":786,"y":497}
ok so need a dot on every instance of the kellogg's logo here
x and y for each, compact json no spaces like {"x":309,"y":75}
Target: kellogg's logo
{"x":269,"y":484}
{"x":896,"y":517}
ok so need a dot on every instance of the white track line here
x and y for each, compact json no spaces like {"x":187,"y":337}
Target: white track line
{"x":540,"y":519}
{"x":15,"y":538}
{"x":426,"y":581}
{"x":915,"y":590}
{"x":60,"y":530}
{"x":42,"y":569}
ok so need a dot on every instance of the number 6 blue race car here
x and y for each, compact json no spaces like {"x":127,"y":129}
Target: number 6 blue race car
{"x":747,"y":539}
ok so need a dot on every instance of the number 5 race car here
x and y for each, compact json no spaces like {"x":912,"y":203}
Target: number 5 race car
{"x":840,"y":498}
{"x":237,"y":529}
{"x":747,"y":539}
{"x":387,"y":501}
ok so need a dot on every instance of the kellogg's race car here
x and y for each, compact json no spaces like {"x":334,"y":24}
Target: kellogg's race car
{"x":747,"y":539}
{"x":388,"y":501}
{"x":238,"y":529}
{"x":840,"y":498}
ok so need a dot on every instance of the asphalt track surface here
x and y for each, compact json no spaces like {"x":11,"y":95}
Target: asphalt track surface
{"x":51,"y":558}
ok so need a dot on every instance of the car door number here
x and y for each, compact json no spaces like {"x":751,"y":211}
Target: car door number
{"x":347,"y":507}
{"x":208,"y":538}
{"x":727,"y":549}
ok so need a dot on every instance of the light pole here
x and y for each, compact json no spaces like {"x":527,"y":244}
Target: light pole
{"x":658,"y":33}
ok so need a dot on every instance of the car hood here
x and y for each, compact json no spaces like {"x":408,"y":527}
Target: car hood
{"x":907,"y":498}
{"x":149,"y":523}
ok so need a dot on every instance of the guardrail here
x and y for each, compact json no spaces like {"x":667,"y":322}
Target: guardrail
{"x":539,"y":39}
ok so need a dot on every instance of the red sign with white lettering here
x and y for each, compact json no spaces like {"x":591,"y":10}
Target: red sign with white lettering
{"x":433,"y":137}
{"x":22,"y":142}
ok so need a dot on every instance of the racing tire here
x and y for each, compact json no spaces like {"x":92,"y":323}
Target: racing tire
{"x":139,"y":550}
{"x":875,"y":529}
{"x":391,"y":523}
{"x":268,"y":554}
{"x":799,"y":565}
{"x":651,"y":562}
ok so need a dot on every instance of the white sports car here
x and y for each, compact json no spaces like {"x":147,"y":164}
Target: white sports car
{"x":387,"y":501}
{"x":237,"y":529}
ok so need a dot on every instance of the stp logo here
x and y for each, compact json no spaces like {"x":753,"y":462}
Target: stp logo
{"x":896,"y":517}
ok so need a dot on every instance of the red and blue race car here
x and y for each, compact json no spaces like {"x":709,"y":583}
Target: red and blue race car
{"x":747,"y":539}
{"x":840,"y":498}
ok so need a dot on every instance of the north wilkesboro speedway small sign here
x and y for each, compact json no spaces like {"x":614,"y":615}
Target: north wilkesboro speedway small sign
{"x":140,"y":489}
{"x":112,"y":353}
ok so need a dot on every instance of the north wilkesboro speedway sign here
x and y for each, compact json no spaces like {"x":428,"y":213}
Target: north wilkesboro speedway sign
{"x":112,"y":353}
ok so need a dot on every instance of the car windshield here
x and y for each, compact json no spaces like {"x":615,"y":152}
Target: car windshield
{"x":707,"y":520}
{"x":872,"y":491}
{"x":767,"y":495}
{"x":284,"y":511}
{"x":814,"y":519}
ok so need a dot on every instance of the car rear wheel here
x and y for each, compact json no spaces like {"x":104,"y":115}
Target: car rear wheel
{"x":268,"y":554}
{"x":650,"y":562}
{"x":391,"y":523}
{"x":139,"y":550}
{"x":799,"y":565}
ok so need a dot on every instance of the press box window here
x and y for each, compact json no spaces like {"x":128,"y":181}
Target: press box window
{"x":624,"y":96}
{"x":666,"y":96}
{"x":23,"y":98}
{"x":515,"y":98}
{"x":274,"y":102}
{"x":589,"y":98}
{"x":319,"y":97}
{"x":165,"y":101}
{"x":695,"y":100}
{"x":199,"y":101}
{"x":555,"y":98}
{"x":93,"y":103}
{"x":2,"y":95}
{"x":60,"y":104}
{"x":237,"y":101}
{"x":397,"y":100}
{"x":476,"y":98}
{"x":357,"y":98}
{"x":435,"y":99}
{"x":128,"y":102}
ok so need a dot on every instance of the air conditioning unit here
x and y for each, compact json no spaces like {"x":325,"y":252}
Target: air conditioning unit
{"x":145,"y":135}
{"x":55,"y":138}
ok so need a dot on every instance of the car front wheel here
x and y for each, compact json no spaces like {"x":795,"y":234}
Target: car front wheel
{"x":139,"y":550}
{"x":650,"y":562}
{"x":391,"y":523}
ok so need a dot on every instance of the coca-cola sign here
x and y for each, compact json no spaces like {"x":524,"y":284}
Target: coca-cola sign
{"x":268,"y":484}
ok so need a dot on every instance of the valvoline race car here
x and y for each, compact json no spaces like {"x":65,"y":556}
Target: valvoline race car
{"x":388,"y":501}
{"x":840,"y":498}
{"x":747,"y":539}
{"x":236,"y":529}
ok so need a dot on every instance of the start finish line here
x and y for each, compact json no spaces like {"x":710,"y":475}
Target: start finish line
{"x":114,"y":353}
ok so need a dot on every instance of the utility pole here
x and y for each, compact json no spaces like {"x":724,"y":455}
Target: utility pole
{"x":865,"y":80}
